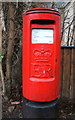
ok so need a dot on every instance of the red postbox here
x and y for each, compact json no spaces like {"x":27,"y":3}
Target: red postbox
{"x":41,"y":55}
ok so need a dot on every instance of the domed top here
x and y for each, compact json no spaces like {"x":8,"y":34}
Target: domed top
{"x":42,"y":10}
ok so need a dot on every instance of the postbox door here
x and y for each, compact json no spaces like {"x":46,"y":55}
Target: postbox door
{"x":42,"y":53}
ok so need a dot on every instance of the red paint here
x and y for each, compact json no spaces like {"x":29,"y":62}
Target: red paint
{"x":41,"y":62}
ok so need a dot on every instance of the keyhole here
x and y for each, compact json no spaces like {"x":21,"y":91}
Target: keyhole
{"x":56,"y":60}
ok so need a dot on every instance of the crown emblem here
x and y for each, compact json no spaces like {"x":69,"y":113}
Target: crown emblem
{"x":42,"y":55}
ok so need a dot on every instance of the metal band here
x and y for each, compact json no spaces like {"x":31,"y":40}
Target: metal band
{"x":42,"y":12}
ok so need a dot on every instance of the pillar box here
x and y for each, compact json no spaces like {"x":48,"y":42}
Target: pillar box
{"x":41,"y":55}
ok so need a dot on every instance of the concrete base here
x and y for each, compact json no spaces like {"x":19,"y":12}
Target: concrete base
{"x":40,"y":109}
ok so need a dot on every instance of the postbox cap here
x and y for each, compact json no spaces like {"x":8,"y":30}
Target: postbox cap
{"x":42,"y":10}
